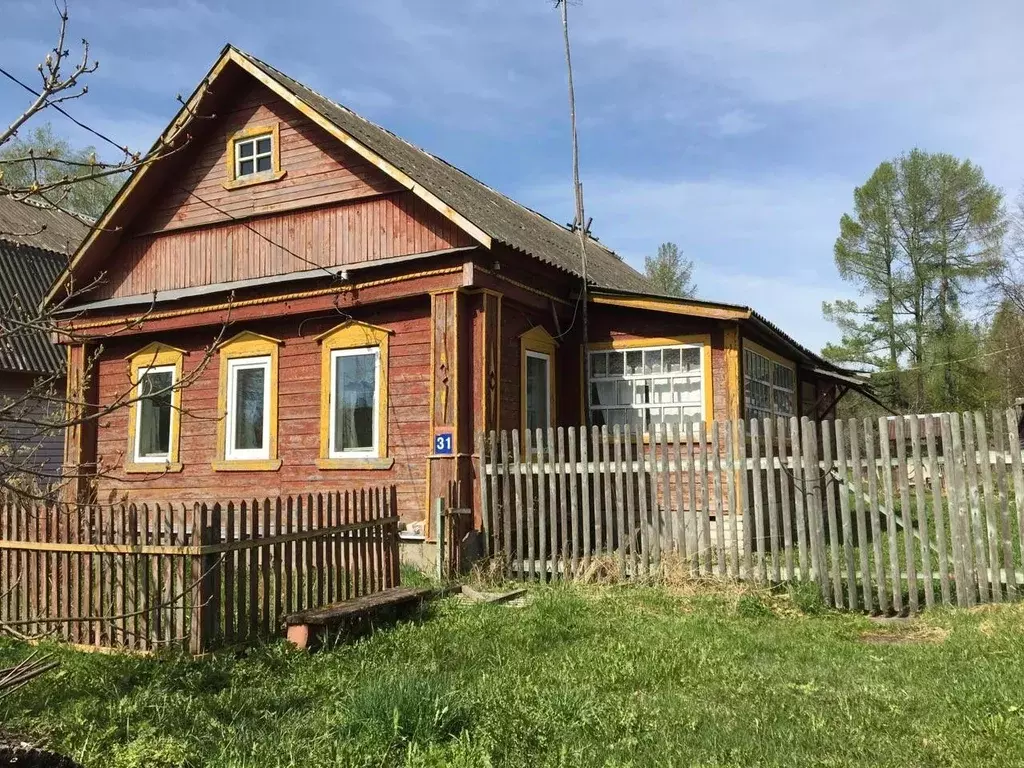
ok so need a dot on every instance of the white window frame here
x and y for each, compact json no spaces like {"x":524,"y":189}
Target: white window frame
{"x":772,"y":387}
{"x":547,"y":384}
{"x":630,"y":377}
{"x":255,"y":156}
{"x":231,"y":453}
{"x":162,"y":458}
{"x":332,"y":450}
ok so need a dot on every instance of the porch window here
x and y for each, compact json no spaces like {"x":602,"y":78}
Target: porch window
{"x":248,"y":416}
{"x":644,"y":386}
{"x":769,"y":385}
{"x":355,"y":399}
{"x":538,"y":390}
{"x":153,"y":414}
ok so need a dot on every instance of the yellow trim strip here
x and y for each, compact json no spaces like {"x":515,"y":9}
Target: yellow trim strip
{"x":767,"y":353}
{"x":679,"y":307}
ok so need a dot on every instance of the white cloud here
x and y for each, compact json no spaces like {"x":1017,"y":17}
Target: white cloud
{"x":736,"y":122}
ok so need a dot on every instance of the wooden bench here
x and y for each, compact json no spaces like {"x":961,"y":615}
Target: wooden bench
{"x":303,"y":625}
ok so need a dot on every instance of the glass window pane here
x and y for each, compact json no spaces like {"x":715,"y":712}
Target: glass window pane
{"x":652,"y":361}
{"x":263,"y":145}
{"x":686,"y":390}
{"x":672,"y":360}
{"x":598,"y":364}
{"x":641,"y":392}
{"x":155,"y":414}
{"x":691,"y":359}
{"x":537,"y":394}
{"x":354,"y":402}
{"x":603,"y":393}
{"x":634,"y":361}
{"x":250,"y":386}
{"x":263,"y":164}
{"x":615,"y":364}
{"x":245,"y":149}
{"x":625,"y":392}
{"x":662,"y":391}
{"x":245,"y":168}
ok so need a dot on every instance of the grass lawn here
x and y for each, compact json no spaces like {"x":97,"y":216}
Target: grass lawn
{"x":583,"y":676}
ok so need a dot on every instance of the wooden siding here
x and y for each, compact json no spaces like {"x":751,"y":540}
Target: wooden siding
{"x":380,"y":228}
{"x":40,"y":449}
{"x":298,"y":418}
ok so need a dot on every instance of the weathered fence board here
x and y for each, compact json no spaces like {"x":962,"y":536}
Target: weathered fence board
{"x":881,"y":516}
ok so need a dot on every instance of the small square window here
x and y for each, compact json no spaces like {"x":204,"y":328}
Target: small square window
{"x":254,"y":154}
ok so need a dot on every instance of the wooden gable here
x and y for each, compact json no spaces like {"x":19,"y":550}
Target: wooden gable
{"x":329,"y":207}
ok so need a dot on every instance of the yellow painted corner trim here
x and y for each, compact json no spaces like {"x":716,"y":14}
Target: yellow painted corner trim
{"x":733,"y":378}
{"x":678,"y":307}
{"x":361,"y":464}
{"x":537,"y":340}
{"x":246,"y":465}
{"x":755,"y":347}
{"x":352,"y":334}
{"x":275,"y":172}
{"x":243,"y":345}
{"x":155,"y":355}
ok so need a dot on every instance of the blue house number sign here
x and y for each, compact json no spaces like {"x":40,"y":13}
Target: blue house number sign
{"x":443,"y":444}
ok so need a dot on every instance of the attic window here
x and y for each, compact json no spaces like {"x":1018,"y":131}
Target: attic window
{"x":254,"y":156}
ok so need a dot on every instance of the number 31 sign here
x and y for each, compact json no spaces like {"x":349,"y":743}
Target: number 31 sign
{"x":443,"y":444}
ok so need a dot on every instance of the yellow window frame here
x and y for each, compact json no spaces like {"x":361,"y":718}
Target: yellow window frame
{"x":155,"y":355}
{"x":244,"y":345}
{"x":353,"y":334}
{"x":270,"y":129}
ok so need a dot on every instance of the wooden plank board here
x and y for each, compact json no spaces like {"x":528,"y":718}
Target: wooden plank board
{"x":829,"y":490}
{"x":1002,"y":491}
{"x":522,"y":505}
{"x":716,"y":469}
{"x":680,"y":517}
{"x":757,"y":522}
{"x":553,"y":514}
{"x":786,"y":501}
{"x":705,"y":505}
{"x":507,"y":510}
{"x":620,"y":509}
{"x":938,"y":512}
{"x":1017,"y":471}
{"x":531,"y":517}
{"x":608,"y":519}
{"x":990,"y":513}
{"x":975,"y":538}
{"x":647,"y":453}
{"x":671,"y":518}
{"x":486,"y":493}
{"x":895,"y":573}
{"x":576,"y":481}
{"x":589,"y":494}
{"x":692,"y":519}
{"x":640,"y":480}
{"x":923,"y":527}
{"x":905,"y":510}
{"x":772,"y":506}
{"x":730,"y":484}
{"x":744,"y":501}
{"x":843,"y":490}
{"x":664,"y":529}
{"x":563,"y":524}
{"x":962,"y":568}
{"x":863,"y":535}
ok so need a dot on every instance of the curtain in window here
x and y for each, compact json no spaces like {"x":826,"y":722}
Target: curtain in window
{"x":155,"y":413}
{"x":250,"y":390}
{"x":354,"y":406}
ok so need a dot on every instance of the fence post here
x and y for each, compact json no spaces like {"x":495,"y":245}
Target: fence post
{"x":205,"y":567}
{"x":439,"y":527}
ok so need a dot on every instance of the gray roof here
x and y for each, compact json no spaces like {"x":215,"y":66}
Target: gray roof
{"x":503,"y":219}
{"x":26,"y":274}
{"x":28,"y":224}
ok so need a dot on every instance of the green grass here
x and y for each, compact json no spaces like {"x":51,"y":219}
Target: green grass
{"x":615,"y":676}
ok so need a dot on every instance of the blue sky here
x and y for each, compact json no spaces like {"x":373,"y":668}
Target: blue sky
{"x":737,"y":129}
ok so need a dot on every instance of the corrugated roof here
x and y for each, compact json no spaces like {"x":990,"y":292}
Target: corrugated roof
{"x":500,"y":217}
{"x":27,"y":224}
{"x":26,"y":274}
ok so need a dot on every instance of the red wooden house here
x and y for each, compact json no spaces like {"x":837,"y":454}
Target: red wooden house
{"x":368,"y":308}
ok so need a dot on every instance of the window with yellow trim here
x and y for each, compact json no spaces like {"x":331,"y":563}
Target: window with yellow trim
{"x":646,"y":385}
{"x":154,"y":417}
{"x":247,"y":400}
{"x":354,"y":397}
{"x":537,"y":378}
{"x":769,"y":386}
{"x":254,"y":155}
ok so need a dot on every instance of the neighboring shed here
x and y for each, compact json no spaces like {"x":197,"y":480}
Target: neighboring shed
{"x":34,"y":248}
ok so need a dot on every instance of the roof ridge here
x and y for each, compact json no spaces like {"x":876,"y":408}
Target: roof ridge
{"x":427,"y":152}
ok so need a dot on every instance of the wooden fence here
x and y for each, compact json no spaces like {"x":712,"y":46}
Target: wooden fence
{"x":146,"y":576}
{"x":885,"y":515}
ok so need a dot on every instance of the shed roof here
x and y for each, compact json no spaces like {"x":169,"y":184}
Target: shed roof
{"x":23,"y":223}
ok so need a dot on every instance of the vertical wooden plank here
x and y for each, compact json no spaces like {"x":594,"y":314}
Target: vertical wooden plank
{"x":640,"y":482}
{"x":252,"y":560}
{"x":506,"y":497}
{"x":731,"y":432}
{"x":744,"y":502}
{"x":773,"y":507}
{"x":563,"y":491}
{"x":800,"y":498}
{"x":552,"y":503}
{"x":278,"y":560}
{"x":321,"y":554}
{"x":863,"y":543}
{"x":243,"y":606}
{"x":716,"y":469}
{"x":610,"y":507}
{"x":347,"y":518}
{"x":486,"y":494}
{"x":608,"y":520}
{"x":829,"y":489}
{"x":592,"y":511}
{"x":1017,"y":470}
{"x":925,"y":539}
{"x":521,"y":517}
{"x":816,"y":509}
{"x":842,"y":488}
{"x":705,"y":511}
{"x":499,"y":512}
{"x":310,"y":546}
{"x":668,"y":535}
{"x":991,"y":510}
{"x":895,"y":574}
{"x":680,"y":521}
{"x":531,"y":519}
{"x":785,"y":506}
{"x":328,"y":537}
{"x":543,"y":454}
{"x":938,"y":502}
{"x":692,"y":518}
{"x":577,"y":478}
{"x":908,"y":526}
{"x":654,"y":478}
{"x":974,"y":523}
{"x":1005,"y":539}
{"x":757,"y":518}
{"x":962,"y":569}
{"x":266,"y":555}
{"x":289,"y":564}
{"x":620,"y":507}
{"x":586,"y":517}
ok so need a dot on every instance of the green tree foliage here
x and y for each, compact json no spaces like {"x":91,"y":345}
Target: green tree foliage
{"x":669,"y":273}
{"x":925,"y":231}
{"x":1004,"y":354}
{"x":43,"y":158}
